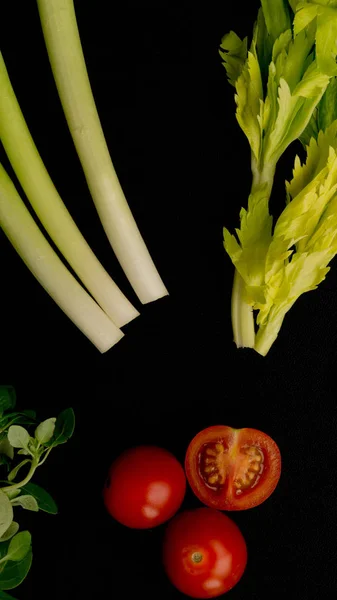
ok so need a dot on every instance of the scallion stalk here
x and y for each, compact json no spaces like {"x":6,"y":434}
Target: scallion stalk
{"x":66,"y":57}
{"x":27,"y":239}
{"x":47,"y":204}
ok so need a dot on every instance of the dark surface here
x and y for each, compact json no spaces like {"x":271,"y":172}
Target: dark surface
{"x":168,"y":116}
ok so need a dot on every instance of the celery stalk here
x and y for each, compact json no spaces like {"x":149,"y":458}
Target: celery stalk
{"x":242,"y":312}
{"x":242,"y":315}
{"x":279,"y":81}
{"x":47,"y":204}
{"x":43,"y":262}
{"x":65,"y":52}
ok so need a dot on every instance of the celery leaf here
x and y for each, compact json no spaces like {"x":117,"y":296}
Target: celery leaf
{"x":276,"y":16}
{"x":234,"y":55}
{"x":325,"y":13}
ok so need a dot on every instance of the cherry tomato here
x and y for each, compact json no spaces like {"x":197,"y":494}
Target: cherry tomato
{"x":204,"y":553}
{"x":232,"y":469}
{"x":145,"y":486}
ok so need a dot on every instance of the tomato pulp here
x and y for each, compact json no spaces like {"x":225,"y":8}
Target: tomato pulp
{"x":145,"y":486}
{"x":204,"y":553}
{"x":232,"y":469}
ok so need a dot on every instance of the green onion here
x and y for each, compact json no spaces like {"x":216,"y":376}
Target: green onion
{"x":47,"y":204}
{"x":27,"y":239}
{"x":63,"y":43}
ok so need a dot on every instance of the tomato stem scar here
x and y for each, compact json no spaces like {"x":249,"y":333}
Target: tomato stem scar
{"x":197,"y":557}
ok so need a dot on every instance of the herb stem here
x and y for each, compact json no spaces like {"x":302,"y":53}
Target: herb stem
{"x":17,"y":486}
{"x":45,"y":456}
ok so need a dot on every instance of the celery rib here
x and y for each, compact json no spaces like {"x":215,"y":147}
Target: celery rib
{"x":27,"y":239}
{"x":67,"y":61}
{"x":242,"y":316}
{"x":242,"y":313}
{"x":47,"y":204}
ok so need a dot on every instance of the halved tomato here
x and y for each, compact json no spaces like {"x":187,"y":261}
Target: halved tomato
{"x":232,"y":469}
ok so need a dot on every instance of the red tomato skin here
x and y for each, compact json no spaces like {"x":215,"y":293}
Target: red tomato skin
{"x":221,"y":544}
{"x":227,"y":499}
{"x":145,"y":487}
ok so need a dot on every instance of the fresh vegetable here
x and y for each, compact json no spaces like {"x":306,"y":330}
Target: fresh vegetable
{"x":232,"y":469}
{"x":305,"y":235}
{"x":46,"y":266}
{"x":145,"y":487}
{"x":21,"y":454}
{"x":204,"y":553}
{"x":63,"y":43}
{"x":281,"y":83}
{"x":51,"y":211}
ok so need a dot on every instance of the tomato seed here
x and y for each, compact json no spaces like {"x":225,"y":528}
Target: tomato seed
{"x":209,"y":469}
{"x":213,"y":479}
{"x":254,"y":467}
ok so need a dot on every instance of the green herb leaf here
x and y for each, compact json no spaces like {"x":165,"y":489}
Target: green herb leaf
{"x":64,"y":428}
{"x":234,"y":55}
{"x":264,"y":44}
{"x":276,"y":14}
{"x":308,"y":223}
{"x":14,"y":573}
{"x":249,"y":101}
{"x":16,"y":469}
{"x":44,"y":499}
{"x":326,"y":38}
{"x":6,"y":513}
{"x":19,"y":419}
{"x":325,"y":14}
{"x":7,"y":398}
{"x":12,"y":530}
{"x":293,"y":4}
{"x":311,"y":130}
{"x":249,"y":255}
{"x":295,"y":111}
{"x":327,"y":109}
{"x":45,"y":431}
{"x":27,"y":502}
{"x":317,"y":158}
{"x":305,"y":14}
{"x":19,"y":546}
{"x":12,"y":493}
{"x":28,"y":413}
{"x":18,"y":437}
{"x":6,"y":448}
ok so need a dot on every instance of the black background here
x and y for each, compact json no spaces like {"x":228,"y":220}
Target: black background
{"x":169,"y":118}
